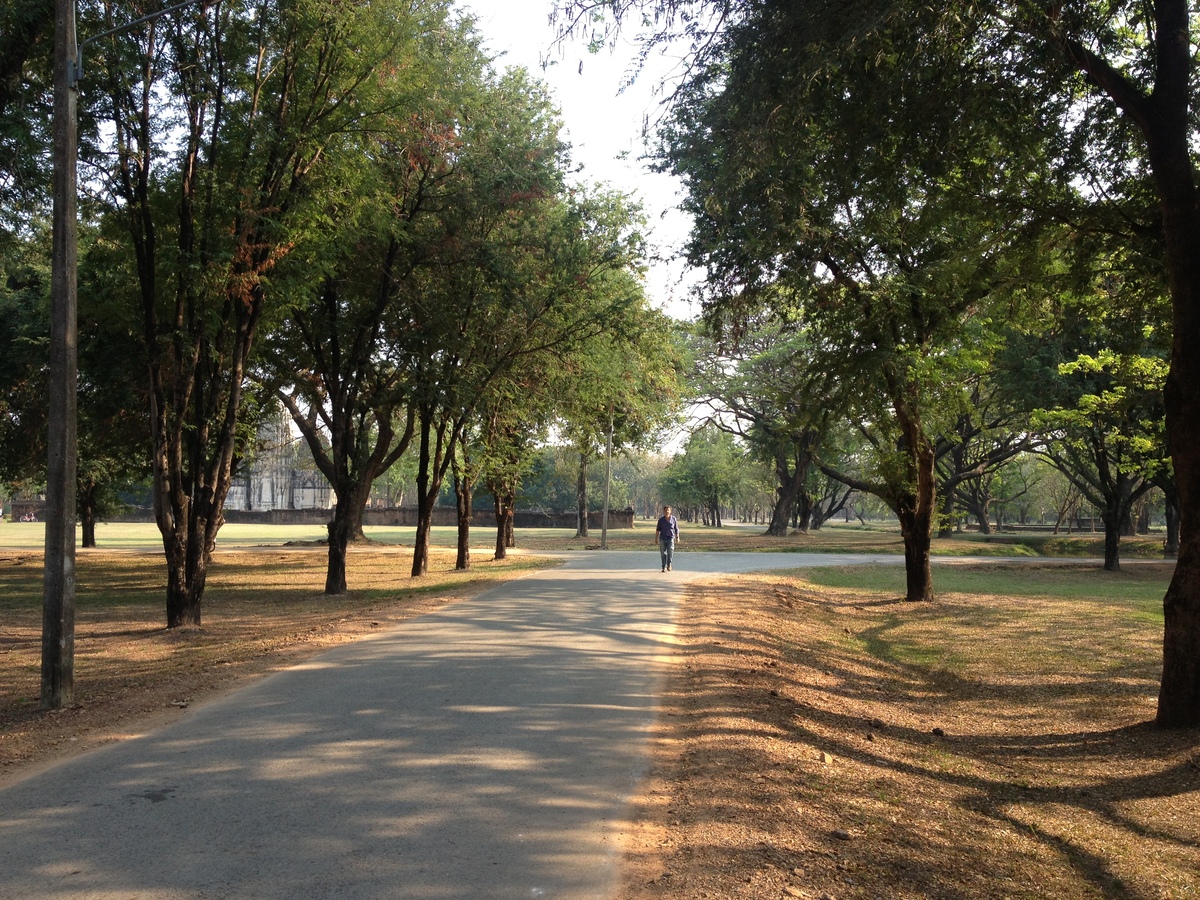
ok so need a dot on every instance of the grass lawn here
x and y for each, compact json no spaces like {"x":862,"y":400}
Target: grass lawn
{"x":835,"y":537}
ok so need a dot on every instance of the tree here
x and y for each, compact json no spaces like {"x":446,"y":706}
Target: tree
{"x":1140,"y":58}
{"x":708,"y":475}
{"x":216,"y":141}
{"x":24,"y":345}
{"x":891,"y":256}
{"x":529,"y":272}
{"x":829,"y":497}
{"x":988,"y":431}
{"x":112,"y":429}
{"x":1107,"y":443}
{"x":111,"y":415}
{"x":372,"y":221}
{"x":1136,"y":58}
{"x":1091,"y":368}
{"x":761,"y":393}
{"x":625,"y":384}
{"x":512,"y":423}
{"x":26,"y":48}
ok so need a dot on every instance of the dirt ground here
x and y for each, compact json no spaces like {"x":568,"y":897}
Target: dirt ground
{"x":789,"y":764}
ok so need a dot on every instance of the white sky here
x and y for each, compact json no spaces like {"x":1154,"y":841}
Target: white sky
{"x":603,"y":123}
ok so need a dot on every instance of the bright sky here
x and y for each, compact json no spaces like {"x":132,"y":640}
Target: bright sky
{"x":603,"y":122}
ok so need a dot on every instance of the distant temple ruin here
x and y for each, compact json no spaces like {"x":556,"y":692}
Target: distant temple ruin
{"x":281,"y":475}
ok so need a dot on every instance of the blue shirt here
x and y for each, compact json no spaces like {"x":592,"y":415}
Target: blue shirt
{"x":668,"y":528}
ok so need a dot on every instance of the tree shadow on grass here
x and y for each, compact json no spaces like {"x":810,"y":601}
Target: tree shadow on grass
{"x":1015,"y":785}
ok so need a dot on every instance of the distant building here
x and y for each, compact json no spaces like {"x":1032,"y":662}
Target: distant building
{"x":281,"y":474}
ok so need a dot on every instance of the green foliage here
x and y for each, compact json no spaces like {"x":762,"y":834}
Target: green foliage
{"x":1104,"y":366}
{"x":24,"y":349}
{"x":713,"y":472}
{"x":26,"y":45}
{"x":622,"y":386}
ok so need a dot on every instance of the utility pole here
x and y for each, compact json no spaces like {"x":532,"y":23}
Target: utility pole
{"x":607,"y":481}
{"x":58,"y":591}
{"x":58,"y":582}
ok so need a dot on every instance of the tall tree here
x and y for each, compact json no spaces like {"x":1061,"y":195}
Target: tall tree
{"x":512,"y":425}
{"x":216,"y":139}
{"x":26,"y":50}
{"x":527,"y":271}
{"x":989,"y":428}
{"x":24,"y":345}
{"x":708,"y":475}
{"x":1137,"y":59}
{"x":888,"y":254}
{"x":466,"y":315}
{"x":372,"y":221}
{"x":621,"y":390}
{"x":1106,"y":434}
{"x":761,"y":391}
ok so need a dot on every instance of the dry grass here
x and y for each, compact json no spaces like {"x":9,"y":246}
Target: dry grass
{"x":263,"y":609}
{"x":826,"y":740}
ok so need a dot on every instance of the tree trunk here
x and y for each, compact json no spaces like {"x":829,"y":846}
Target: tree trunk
{"x":510,"y":533}
{"x":462,"y":499}
{"x":420,"y":563}
{"x":788,"y":486}
{"x":501,"y":521}
{"x":187,"y":573}
{"x":351,"y":498}
{"x":183,"y":600}
{"x":339,"y":536}
{"x":1169,"y":146}
{"x":979,"y":509}
{"x":916,"y":513}
{"x":1143,"y":519}
{"x":804,"y":510}
{"x":946,"y":521}
{"x":1171,"y":544}
{"x":916,"y":527}
{"x":581,"y":497}
{"x":87,"y":513}
{"x":354,"y":518}
{"x":1179,"y":690}
{"x":1112,"y":518}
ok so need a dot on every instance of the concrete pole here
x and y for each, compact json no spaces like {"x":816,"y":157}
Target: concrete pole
{"x":607,"y":481}
{"x":58,"y":595}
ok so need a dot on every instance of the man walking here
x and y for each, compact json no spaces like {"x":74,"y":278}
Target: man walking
{"x":667,"y":533}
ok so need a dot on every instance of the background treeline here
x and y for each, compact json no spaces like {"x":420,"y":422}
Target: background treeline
{"x":346,"y":209}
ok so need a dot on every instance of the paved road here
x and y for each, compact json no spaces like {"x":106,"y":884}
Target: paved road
{"x":488,"y":750}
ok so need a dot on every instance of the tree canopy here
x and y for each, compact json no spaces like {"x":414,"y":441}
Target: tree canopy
{"x":1023,"y":113}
